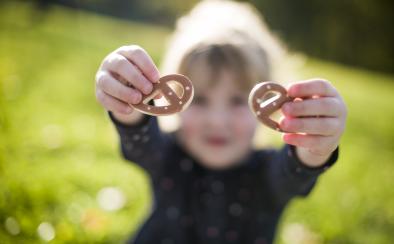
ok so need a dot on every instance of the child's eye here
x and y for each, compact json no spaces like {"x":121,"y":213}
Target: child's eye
{"x":238,"y":101}
{"x":200,"y":100}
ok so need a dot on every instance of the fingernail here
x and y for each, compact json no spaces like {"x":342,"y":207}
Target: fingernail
{"x":137,"y":97}
{"x":156,"y":77}
{"x":283,"y":124}
{"x":148,"y":88}
{"x":286,"y":107}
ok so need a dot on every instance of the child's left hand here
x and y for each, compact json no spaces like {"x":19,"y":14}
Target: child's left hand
{"x":314,"y":121}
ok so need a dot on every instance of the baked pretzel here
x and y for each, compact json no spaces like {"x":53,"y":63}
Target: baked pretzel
{"x":263,"y":109}
{"x":176,"y":104}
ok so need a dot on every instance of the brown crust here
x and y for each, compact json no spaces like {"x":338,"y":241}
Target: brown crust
{"x":176,"y":104}
{"x":264,"y":109}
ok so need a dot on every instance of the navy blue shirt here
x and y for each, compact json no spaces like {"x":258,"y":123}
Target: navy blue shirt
{"x":194,"y":204}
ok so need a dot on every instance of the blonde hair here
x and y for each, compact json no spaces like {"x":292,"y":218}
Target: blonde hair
{"x":224,"y":34}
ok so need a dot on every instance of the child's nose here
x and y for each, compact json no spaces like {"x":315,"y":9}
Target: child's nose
{"x":217,"y":118}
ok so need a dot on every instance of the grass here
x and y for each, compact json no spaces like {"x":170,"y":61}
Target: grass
{"x":58,"y":149}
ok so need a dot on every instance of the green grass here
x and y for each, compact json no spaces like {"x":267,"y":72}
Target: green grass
{"x":58,"y":148}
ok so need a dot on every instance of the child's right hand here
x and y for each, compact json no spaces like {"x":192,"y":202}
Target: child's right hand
{"x":122,"y":77}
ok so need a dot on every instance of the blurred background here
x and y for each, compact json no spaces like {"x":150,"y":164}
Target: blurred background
{"x":62,"y":179}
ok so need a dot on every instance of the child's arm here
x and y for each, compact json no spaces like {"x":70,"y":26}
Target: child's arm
{"x":121,"y":79}
{"x":314,"y":122}
{"x":143,"y":143}
{"x":287,"y":176}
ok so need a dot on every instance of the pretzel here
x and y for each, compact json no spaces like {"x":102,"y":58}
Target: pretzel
{"x":176,"y":104}
{"x":264,"y":109}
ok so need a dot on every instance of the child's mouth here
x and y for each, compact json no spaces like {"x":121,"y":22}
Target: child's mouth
{"x":216,"y":141}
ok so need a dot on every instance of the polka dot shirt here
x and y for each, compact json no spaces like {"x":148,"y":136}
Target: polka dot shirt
{"x":193,"y":204}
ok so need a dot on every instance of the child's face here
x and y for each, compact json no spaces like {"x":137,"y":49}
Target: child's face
{"x":218,"y":127}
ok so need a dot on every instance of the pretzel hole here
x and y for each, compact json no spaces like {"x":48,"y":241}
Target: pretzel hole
{"x":177,"y":88}
{"x":161,"y":102}
{"x":269,"y":98}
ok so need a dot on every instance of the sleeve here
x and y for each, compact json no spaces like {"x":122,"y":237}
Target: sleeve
{"x":289,"y":177}
{"x":143,"y":143}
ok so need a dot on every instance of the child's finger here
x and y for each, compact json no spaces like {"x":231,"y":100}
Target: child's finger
{"x":310,"y":88}
{"x":120,"y":65}
{"x":113,"y":87}
{"x":314,"y":142}
{"x":324,"y":106}
{"x":112,"y":104}
{"x":142,"y":60}
{"x":314,"y":126}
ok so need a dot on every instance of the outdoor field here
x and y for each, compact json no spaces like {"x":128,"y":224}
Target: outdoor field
{"x":59,"y":155}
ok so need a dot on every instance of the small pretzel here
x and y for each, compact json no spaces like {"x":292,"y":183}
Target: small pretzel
{"x":264,"y":109}
{"x":176,"y":104}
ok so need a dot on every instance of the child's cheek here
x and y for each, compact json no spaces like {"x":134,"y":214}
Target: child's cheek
{"x":190,"y":123}
{"x":244,"y":122}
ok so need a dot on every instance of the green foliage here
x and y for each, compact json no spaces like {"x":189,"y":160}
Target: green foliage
{"x":352,"y":32}
{"x":353,"y":201}
{"x":58,"y":149}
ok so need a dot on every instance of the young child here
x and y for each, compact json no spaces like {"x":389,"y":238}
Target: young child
{"x":209,"y":184}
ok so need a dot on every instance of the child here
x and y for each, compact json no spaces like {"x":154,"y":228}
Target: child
{"x":209,"y":184}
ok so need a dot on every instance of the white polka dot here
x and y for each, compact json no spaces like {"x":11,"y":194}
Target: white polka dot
{"x":129,"y":146}
{"x":186,"y":165}
{"x":170,"y":93}
{"x":165,"y":108}
{"x":145,"y":139}
{"x":180,"y":102}
{"x":186,"y":220}
{"x":235,"y":209}
{"x":212,"y":231}
{"x":187,"y":88}
{"x":206,"y":198}
{"x":217,"y":187}
{"x":231,"y":235}
{"x":136,"y":137}
{"x":148,"y":107}
{"x":145,"y":128}
{"x":172,"y":212}
{"x":274,"y":104}
{"x":244,"y":194}
{"x":167,"y":183}
{"x":269,"y":86}
{"x":258,"y":113}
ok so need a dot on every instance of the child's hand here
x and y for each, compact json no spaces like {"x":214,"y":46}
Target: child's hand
{"x":123,"y":75}
{"x":315,"y":121}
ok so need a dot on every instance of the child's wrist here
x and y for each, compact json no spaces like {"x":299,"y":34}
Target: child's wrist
{"x":312,"y":159}
{"x":128,"y":119}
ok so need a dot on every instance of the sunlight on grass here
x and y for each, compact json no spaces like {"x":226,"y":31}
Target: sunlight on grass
{"x":59,"y":156}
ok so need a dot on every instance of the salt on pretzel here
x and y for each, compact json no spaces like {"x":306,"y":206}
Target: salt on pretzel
{"x":176,"y":103}
{"x":263,"y":109}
